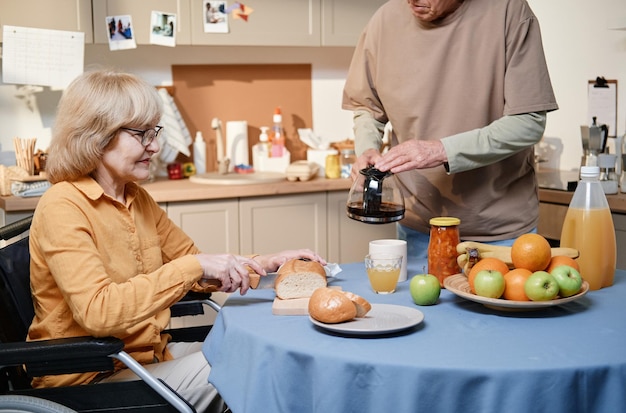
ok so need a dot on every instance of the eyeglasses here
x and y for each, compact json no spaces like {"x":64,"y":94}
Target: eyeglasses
{"x":146,"y":136}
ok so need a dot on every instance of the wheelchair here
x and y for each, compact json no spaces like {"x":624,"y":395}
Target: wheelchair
{"x":21,"y":360}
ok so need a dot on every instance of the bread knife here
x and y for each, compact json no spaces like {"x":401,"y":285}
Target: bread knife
{"x":257,"y":282}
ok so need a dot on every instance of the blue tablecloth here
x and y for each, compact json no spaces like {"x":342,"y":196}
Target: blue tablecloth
{"x":464,"y":357}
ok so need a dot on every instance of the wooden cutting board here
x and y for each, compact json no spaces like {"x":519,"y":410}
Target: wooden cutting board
{"x":295,"y":306}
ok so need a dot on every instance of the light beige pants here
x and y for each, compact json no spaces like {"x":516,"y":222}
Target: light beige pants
{"x":188,"y":374}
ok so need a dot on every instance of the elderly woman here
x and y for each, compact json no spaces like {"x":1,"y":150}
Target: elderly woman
{"x":105,"y":258}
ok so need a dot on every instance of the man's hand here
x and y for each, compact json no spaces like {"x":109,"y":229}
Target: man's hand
{"x":412,"y":154}
{"x":367,"y":158}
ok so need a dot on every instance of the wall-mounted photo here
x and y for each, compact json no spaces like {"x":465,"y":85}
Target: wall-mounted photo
{"x":215,"y":17}
{"x":121,"y":35}
{"x":163,"y":29}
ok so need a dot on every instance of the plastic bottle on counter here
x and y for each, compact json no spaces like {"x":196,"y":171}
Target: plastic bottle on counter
{"x":199,"y":153}
{"x":277,"y":140}
{"x":444,"y":237}
{"x":261,"y":151}
{"x":263,"y":147}
{"x":588,"y":227}
{"x":348,"y":158}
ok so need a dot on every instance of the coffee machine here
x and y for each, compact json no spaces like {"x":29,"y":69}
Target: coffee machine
{"x":594,"y":142}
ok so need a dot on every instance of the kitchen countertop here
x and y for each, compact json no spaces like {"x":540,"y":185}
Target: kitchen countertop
{"x":617,"y":202}
{"x":164,"y":190}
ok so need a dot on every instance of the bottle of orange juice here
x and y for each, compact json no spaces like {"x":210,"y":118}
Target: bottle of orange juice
{"x":588,"y":227}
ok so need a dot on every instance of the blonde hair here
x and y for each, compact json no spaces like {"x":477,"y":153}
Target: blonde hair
{"x":89,"y":116}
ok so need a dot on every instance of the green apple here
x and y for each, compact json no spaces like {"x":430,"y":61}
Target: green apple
{"x":541,"y":286}
{"x":425,"y":289}
{"x":568,"y":278}
{"x":489,"y":283}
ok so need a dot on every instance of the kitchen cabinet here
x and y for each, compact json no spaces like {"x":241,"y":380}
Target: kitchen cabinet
{"x":348,"y":240}
{"x":551,"y":217}
{"x":272,"y":23}
{"x":213,"y":225}
{"x":619,"y":221}
{"x":268,"y":224}
{"x":343,"y":21}
{"x":289,"y":23}
{"x":70,"y":15}
{"x":141,"y":15}
{"x":275,"y":223}
{"x":257,"y":225}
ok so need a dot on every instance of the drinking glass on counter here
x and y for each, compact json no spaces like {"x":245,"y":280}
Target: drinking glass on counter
{"x":383,"y":271}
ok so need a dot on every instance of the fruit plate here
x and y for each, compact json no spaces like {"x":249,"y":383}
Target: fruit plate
{"x":458,"y":285}
{"x":381,"y":319}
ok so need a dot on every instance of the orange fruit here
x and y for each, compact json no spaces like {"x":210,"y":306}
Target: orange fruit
{"x":562,"y":260}
{"x":489,"y":263}
{"x":514,"y":281}
{"x":531,"y":251}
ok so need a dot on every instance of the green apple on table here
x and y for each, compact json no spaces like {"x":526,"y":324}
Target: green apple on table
{"x":425,"y":289}
{"x":569,"y":280}
{"x":489,"y":283}
{"x":541,"y":286}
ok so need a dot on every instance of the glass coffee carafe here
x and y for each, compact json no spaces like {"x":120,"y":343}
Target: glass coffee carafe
{"x":375,"y":197}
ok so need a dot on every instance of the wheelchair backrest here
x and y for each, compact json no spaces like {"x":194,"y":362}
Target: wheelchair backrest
{"x":16,"y":303}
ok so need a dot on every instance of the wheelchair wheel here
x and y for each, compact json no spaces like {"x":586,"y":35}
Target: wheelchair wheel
{"x":28,"y":404}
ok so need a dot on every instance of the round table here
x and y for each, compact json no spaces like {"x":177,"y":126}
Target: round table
{"x":463,"y":357}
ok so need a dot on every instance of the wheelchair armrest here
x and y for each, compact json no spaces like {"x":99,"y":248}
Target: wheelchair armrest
{"x":61,"y":356}
{"x":189,"y":334}
{"x":192,"y":304}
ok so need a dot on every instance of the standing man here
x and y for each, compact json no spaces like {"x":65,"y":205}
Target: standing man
{"x":465,"y":86}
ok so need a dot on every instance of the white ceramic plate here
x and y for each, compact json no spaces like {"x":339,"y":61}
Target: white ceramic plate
{"x":458,"y":284}
{"x":381,"y":319}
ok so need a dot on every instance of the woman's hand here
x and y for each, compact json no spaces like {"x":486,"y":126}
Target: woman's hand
{"x":412,"y":154}
{"x":271,"y":262}
{"x":230,"y":270}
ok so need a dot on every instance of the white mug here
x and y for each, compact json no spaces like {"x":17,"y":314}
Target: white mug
{"x":394,"y":246}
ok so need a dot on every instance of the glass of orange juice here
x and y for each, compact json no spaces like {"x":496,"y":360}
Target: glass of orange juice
{"x":383,"y":270}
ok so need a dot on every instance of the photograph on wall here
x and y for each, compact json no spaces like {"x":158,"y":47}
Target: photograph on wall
{"x":163,"y":29}
{"x":121,"y":33}
{"x":215,"y":17}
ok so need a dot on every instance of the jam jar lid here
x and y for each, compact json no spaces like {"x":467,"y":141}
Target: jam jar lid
{"x":445,"y":221}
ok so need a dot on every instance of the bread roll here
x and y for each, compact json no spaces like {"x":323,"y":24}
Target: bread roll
{"x":331,"y":306}
{"x":362,"y":305}
{"x":299,"y":278}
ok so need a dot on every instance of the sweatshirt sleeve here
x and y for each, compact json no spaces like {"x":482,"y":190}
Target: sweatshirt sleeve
{"x":496,"y":141}
{"x":368,"y":132}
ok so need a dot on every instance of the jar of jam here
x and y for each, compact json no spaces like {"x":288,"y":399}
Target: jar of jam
{"x":444,"y":237}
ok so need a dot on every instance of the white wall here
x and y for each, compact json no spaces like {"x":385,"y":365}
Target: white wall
{"x":579,"y":47}
{"x":329,"y":67}
{"x":578,"y":44}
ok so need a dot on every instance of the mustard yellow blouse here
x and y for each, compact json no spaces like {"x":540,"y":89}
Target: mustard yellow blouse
{"x":102,"y":268}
